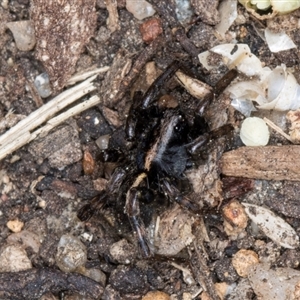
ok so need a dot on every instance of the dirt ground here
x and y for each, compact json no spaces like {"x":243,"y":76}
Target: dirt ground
{"x":46,"y":252}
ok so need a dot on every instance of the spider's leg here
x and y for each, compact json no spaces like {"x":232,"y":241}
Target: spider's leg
{"x":111,"y":155}
{"x":202,"y":140}
{"x":132,"y":118}
{"x":171,"y":191}
{"x":197,"y":143}
{"x":97,"y":203}
{"x":132,"y":209}
{"x":88,"y":210}
{"x":153,"y":91}
{"x":224,"y":82}
{"x":116,"y":180}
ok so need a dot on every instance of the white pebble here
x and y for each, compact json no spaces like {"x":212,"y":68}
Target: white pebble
{"x":42,"y":84}
{"x":279,"y":284}
{"x":254,"y":132}
{"x":71,"y":253}
{"x":23,"y":33}
{"x":13,"y":258}
{"x":87,"y":236}
{"x":140,"y":9}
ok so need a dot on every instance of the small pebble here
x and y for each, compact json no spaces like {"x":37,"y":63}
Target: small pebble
{"x":102,"y":141}
{"x":187,"y":296}
{"x":234,"y":212}
{"x":26,"y":239}
{"x":243,"y":260}
{"x":15,"y":225}
{"x":235,"y":218}
{"x":88,"y":163}
{"x":71,"y":253}
{"x":13,"y":258}
{"x":42,"y":84}
{"x":221,"y":289}
{"x":122,"y":252}
{"x":254,"y":132}
{"x":96,"y":275}
{"x":151,"y":29}
{"x":294,"y":130}
{"x":99,"y":184}
{"x":167,"y":101}
{"x":140,"y":9}
{"x":184,"y":11}
{"x":23,"y":32}
{"x":4,"y":4}
{"x":156,"y":295}
{"x":87,"y":236}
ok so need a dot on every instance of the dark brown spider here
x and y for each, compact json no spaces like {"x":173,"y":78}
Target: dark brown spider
{"x":163,"y":143}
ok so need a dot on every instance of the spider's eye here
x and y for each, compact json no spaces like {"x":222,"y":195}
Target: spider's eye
{"x":180,"y":124}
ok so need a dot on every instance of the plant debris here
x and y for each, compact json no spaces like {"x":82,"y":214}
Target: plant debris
{"x":65,"y":97}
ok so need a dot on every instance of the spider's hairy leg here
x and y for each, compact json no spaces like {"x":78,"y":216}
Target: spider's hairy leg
{"x":142,"y":102}
{"x":132,"y":209}
{"x":88,"y":210}
{"x":131,"y":121}
{"x":171,"y":191}
{"x":97,"y":203}
{"x":197,"y":143}
{"x":224,"y":82}
{"x":154,"y":90}
{"x":116,"y":180}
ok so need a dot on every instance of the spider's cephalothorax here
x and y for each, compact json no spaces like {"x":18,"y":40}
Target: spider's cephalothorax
{"x":163,"y":141}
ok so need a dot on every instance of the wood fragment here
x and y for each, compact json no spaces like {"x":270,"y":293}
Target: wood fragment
{"x":201,"y":271}
{"x":269,"y":162}
{"x":113,"y":16}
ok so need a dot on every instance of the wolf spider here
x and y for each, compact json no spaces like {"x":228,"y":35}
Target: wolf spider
{"x":163,"y":143}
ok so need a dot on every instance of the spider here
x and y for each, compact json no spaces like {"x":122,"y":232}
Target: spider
{"x":164,"y":141}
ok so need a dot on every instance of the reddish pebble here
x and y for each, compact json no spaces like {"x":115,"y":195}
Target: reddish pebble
{"x":151,"y":29}
{"x":88,"y":163}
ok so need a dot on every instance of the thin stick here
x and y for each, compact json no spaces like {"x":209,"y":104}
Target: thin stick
{"x":278,"y":129}
{"x":86,"y":74}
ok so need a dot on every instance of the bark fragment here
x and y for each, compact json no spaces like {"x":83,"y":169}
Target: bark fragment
{"x":269,"y":162}
{"x":62,"y":29}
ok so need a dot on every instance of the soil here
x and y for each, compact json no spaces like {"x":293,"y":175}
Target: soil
{"x":44,"y":184}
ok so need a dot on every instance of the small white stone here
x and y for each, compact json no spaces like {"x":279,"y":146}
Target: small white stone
{"x":23,"y":32}
{"x":13,"y":258}
{"x":87,"y":236}
{"x":42,"y":84}
{"x":254,"y":132}
{"x":140,"y":9}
